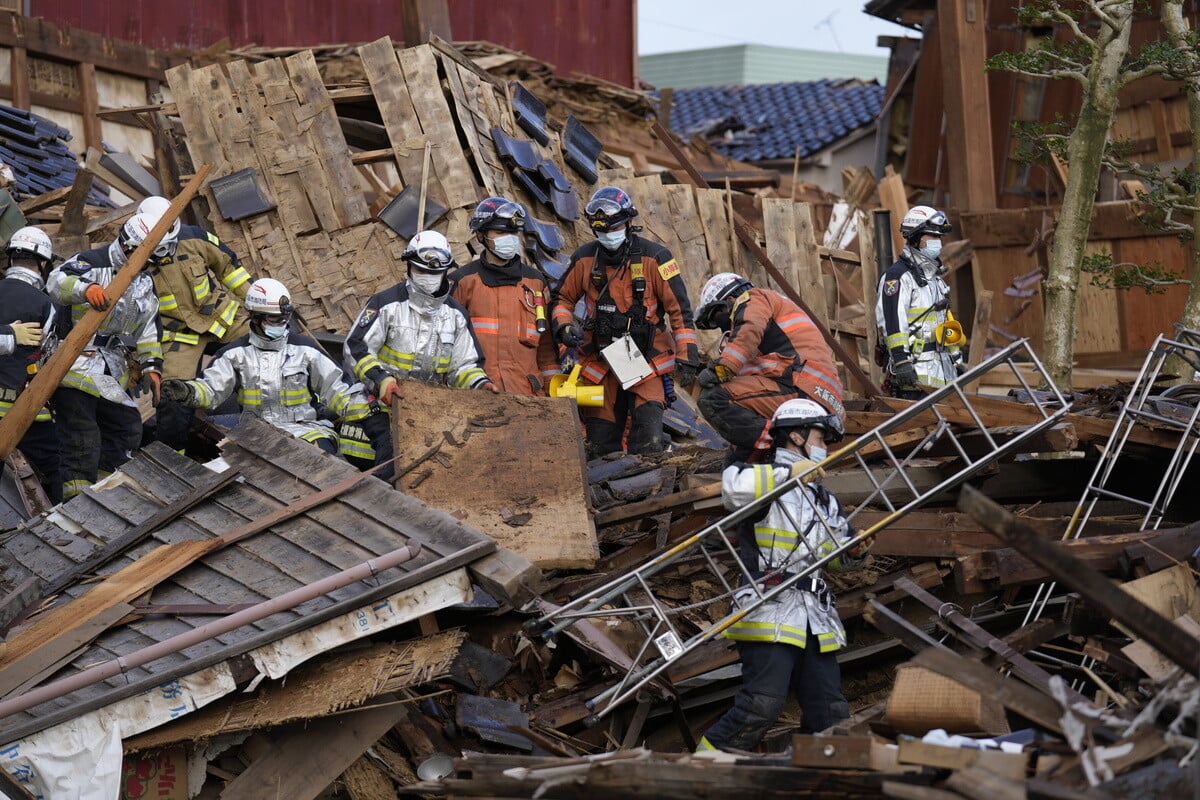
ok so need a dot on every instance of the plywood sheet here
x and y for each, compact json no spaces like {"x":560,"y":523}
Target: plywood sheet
{"x":507,"y":465}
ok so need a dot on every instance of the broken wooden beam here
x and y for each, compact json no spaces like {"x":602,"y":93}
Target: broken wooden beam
{"x":1156,"y":629}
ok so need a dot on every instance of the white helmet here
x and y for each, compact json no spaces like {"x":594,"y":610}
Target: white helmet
{"x":30,"y":241}
{"x":268,"y":296}
{"x":923,"y":220}
{"x":715,"y":296}
{"x":805,"y":413}
{"x":155,"y":206}
{"x":137,"y":228}
{"x":429,"y":250}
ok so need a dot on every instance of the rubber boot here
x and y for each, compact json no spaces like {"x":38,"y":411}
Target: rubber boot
{"x":646,"y":433}
{"x":603,"y":437}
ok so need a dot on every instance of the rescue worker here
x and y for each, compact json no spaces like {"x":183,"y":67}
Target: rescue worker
{"x":913,"y":302}
{"x":415,"y":330}
{"x":277,"y":376}
{"x":506,"y":300}
{"x":99,"y":421}
{"x":27,"y":325}
{"x":633,"y":294}
{"x":772,"y":353}
{"x":790,"y":641}
{"x":200,"y":293}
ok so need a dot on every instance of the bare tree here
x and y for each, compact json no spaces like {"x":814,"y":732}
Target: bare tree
{"x":1097,"y":57}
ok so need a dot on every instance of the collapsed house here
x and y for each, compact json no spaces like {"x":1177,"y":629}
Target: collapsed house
{"x":274,"y":623}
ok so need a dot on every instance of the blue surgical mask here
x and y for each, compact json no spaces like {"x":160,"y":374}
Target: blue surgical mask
{"x":932,"y":248}
{"x":505,"y":247}
{"x":274,"y":332}
{"x":817,"y":454}
{"x":611,"y":240}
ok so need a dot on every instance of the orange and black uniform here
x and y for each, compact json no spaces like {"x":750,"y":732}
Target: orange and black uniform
{"x":639,"y":290}
{"x":774,"y":353}
{"x":505,"y":305}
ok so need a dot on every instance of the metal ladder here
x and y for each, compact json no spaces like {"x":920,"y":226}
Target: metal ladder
{"x":1141,"y":406}
{"x":926,"y":422}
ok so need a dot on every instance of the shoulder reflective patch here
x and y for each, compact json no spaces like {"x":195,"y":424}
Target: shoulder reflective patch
{"x":366,"y":317}
{"x":891,"y":288}
{"x":668,"y":270}
{"x":212,"y":237}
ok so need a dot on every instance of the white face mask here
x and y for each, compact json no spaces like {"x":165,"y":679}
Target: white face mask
{"x":427,"y":282}
{"x":507,"y":246}
{"x":274,"y":332}
{"x":611,"y":240}
{"x":932,"y":248}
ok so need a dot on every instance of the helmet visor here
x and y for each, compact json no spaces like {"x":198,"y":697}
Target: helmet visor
{"x":602,"y":207}
{"x":511,"y":214}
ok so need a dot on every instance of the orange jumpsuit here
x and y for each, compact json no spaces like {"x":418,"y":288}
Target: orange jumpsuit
{"x":775,"y":354}
{"x":606,"y":282}
{"x":504,"y":305}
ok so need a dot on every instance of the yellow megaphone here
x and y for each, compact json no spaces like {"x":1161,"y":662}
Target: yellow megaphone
{"x":569,"y":386}
{"x":950,"y":332}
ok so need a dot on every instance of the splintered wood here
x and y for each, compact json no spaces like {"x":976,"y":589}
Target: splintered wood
{"x":510,"y":466}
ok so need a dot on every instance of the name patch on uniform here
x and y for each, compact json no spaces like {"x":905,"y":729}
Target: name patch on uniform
{"x":365,"y":318}
{"x":212,"y":237}
{"x":891,"y":288}
{"x":668,"y":270}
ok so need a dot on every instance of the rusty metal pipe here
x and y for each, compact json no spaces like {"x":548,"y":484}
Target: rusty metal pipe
{"x":284,"y":602}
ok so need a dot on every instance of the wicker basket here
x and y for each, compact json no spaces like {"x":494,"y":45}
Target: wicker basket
{"x":922,"y":700}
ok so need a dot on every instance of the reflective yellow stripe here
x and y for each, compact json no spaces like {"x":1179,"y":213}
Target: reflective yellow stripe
{"x":250,"y":397}
{"x":236,"y":278}
{"x":469,"y":376}
{"x":897,"y":340}
{"x":395,"y":358}
{"x":772,"y":537}
{"x":764,"y":480}
{"x":314,"y":436}
{"x":181,"y":337}
{"x":365,"y":365}
{"x":202,"y":289}
{"x":767,"y":632}
{"x":74,"y":488}
{"x":295,"y":397}
{"x":355,"y":448}
{"x":167,"y":302}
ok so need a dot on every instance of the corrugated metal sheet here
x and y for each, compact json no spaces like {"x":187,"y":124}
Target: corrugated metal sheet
{"x":744,"y":64}
{"x":596,"y":38}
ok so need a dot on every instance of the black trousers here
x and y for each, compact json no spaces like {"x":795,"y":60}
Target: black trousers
{"x":40,"y":446}
{"x":98,"y":436}
{"x":769,"y":670}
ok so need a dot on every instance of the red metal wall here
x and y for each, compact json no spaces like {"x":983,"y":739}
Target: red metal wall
{"x":595,"y":37}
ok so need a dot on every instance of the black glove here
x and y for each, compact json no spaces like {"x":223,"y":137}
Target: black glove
{"x":960,"y":367}
{"x":685,"y":373}
{"x":179,"y":392}
{"x":569,"y":334}
{"x":905,"y":373}
{"x":711,"y":376}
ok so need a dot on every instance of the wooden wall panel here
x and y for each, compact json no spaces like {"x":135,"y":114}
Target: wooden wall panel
{"x":1144,"y":316}
{"x":996,"y":269}
{"x":1096,"y":312}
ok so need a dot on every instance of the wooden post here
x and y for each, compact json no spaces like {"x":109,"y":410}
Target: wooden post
{"x":1097,"y":589}
{"x":421,"y":18}
{"x":746,"y":235}
{"x":962,"y":29}
{"x":29,"y":402}
{"x":979,"y":333}
{"x":19,"y":66}
{"x":89,"y":104}
{"x":868,"y":255}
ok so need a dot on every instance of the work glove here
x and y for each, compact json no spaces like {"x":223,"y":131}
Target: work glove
{"x":569,"y":334}
{"x":27,"y":334}
{"x":711,"y":376}
{"x":97,"y":297}
{"x":859,"y":550}
{"x":685,"y":373}
{"x":153,"y":382}
{"x":960,"y":367}
{"x":389,"y":390}
{"x":905,"y":373}
{"x":178,"y":392}
{"x":804,"y":465}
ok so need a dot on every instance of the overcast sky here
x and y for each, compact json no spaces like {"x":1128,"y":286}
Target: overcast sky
{"x":665,"y":26}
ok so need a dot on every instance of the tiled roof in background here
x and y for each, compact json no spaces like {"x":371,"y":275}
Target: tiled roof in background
{"x":36,"y":150}
{"x":768,"y":121}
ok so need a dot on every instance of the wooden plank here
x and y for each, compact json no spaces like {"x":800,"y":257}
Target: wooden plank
{"x":429,"y":102}
{"x":894,"y":197}
{"x":16,"y":675}
{"x":539,"y":509}
{"x":395,"y":107}
{"x":89,"y":103}
{"x":980,"y":328}
{"x":870,"y":286}
{"x":1162,"y":130}
{"x":302,"y":763}
{"x":1019,"y":227}
{"x":1095,"y":588}
{"x":808,"y":262}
